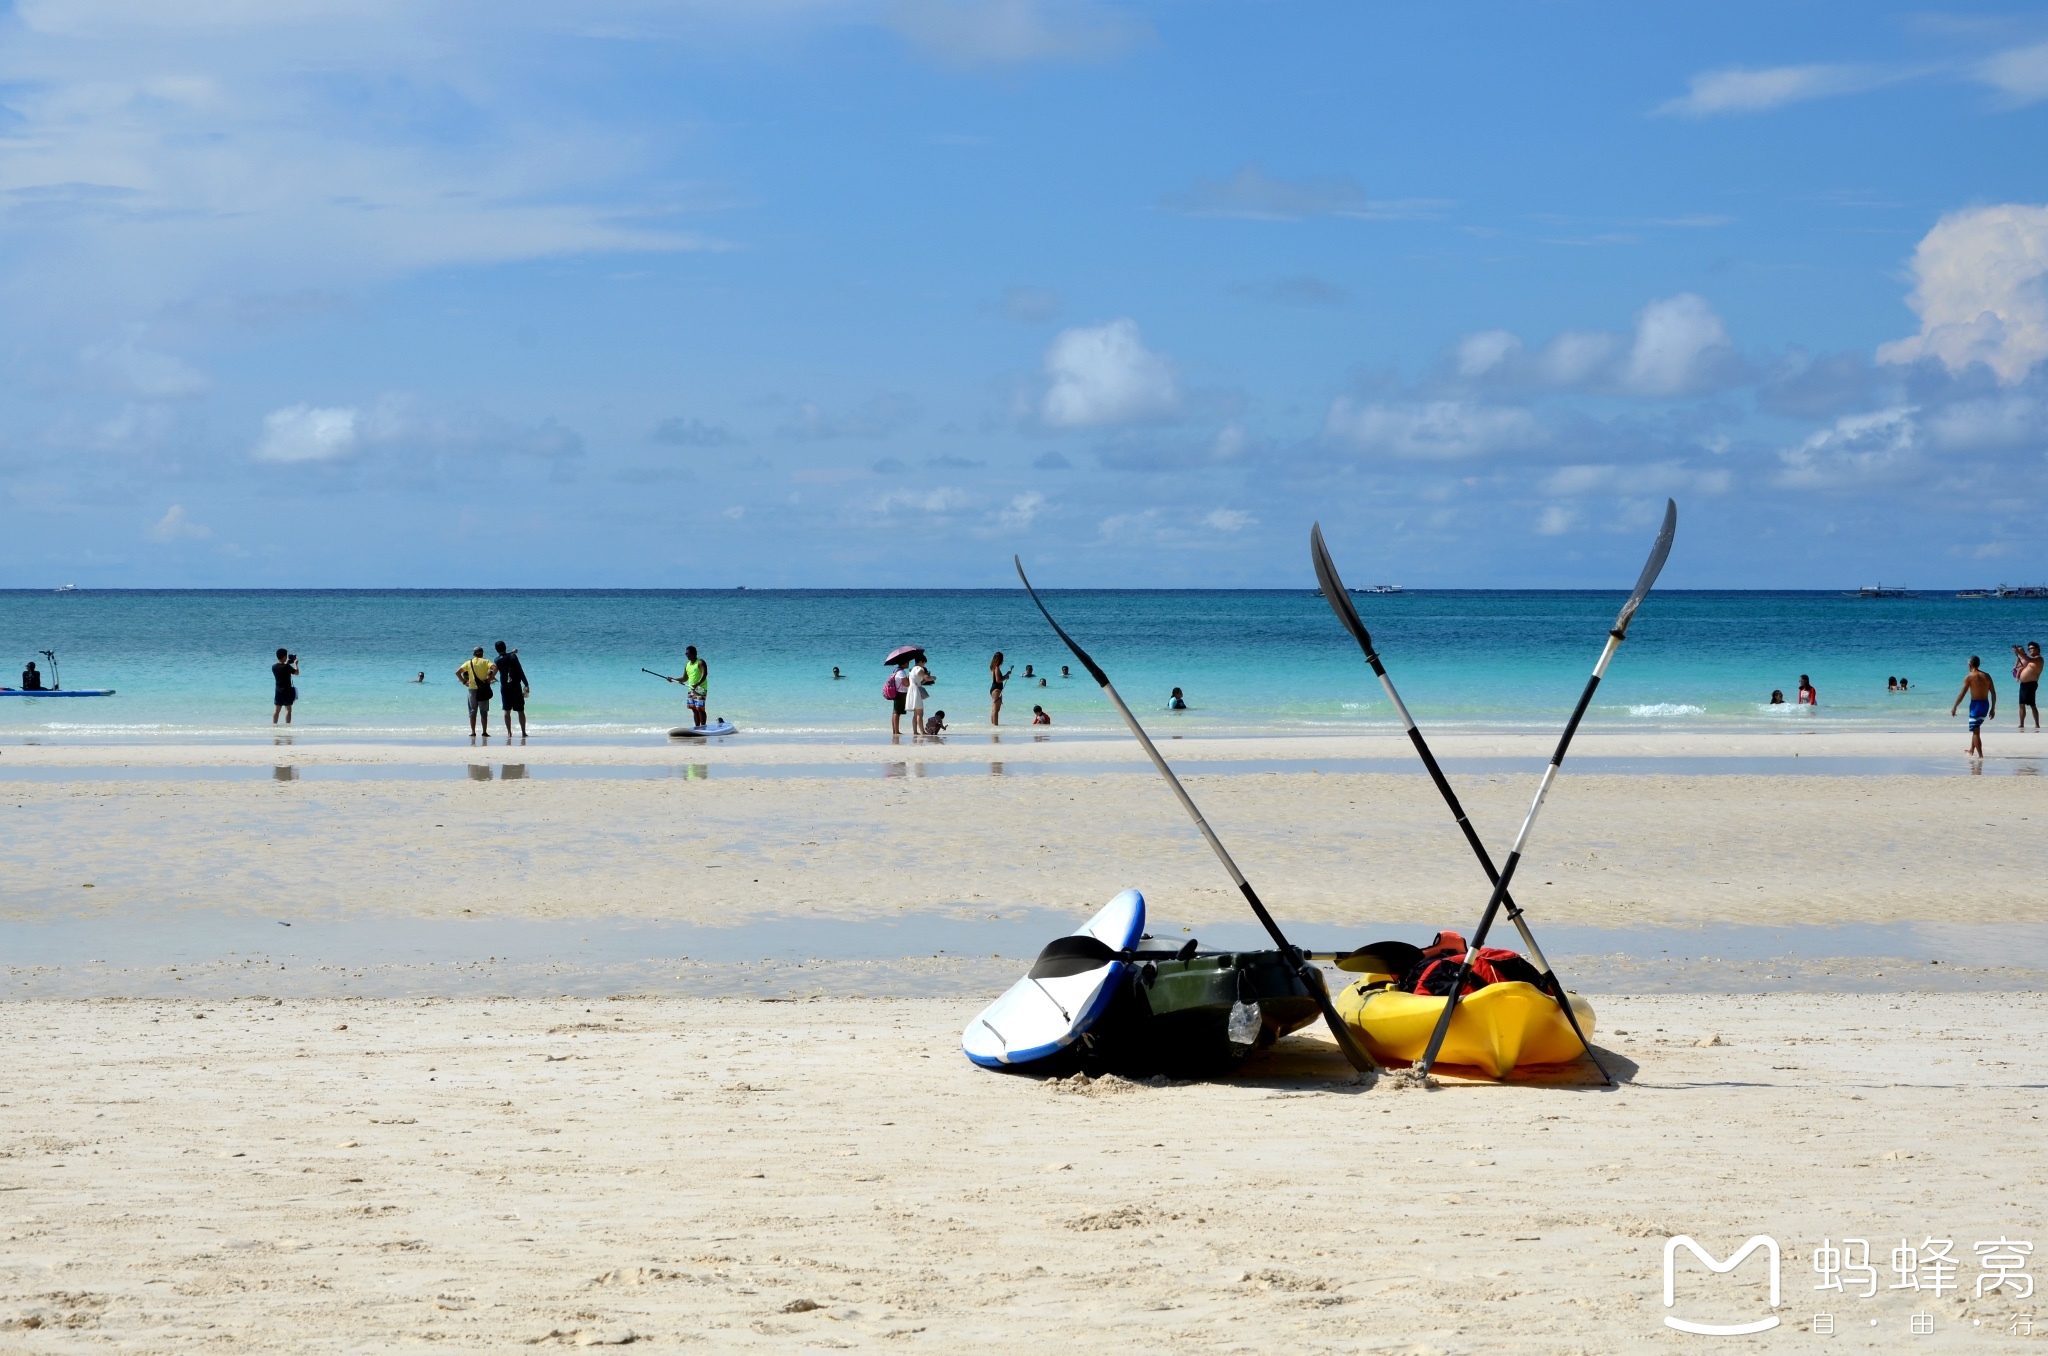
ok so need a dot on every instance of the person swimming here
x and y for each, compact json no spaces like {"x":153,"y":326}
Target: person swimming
{"x":1777,"y":696}
{"x":1064,"y":672}
{"x":836,"y":673}
{"x":1891,"y":684}
{"x":1177,"y":702}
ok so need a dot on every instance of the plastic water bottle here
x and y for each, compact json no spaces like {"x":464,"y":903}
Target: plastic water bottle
{"x":1244,"y":1023}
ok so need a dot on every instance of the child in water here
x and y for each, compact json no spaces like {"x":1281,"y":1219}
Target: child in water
{"x":936,"y":726}
{"x":1038,"y":716}
{"x":1178,"y":702}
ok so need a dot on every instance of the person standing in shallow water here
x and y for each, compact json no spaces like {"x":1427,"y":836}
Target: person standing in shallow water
{"x":475,"y":673}
{"x":997,"y":676}
{"x":512,"y":688}
{"x":1983,"y":695}
{"x":282,"y":674}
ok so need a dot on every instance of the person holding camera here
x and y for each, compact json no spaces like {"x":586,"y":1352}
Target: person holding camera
{"x":282,"y":672}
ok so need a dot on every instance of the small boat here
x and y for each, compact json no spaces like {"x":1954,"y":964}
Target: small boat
{"x":1974,"y":593}
{"x":1881,"y":591}
{"x":1041,"y":1017}
{"x":1379,"y":588}
{"x":2023,"y":591}
{"x":67,"y":588}
{"x":1496,"y":1029}
{"x":716,"y":727}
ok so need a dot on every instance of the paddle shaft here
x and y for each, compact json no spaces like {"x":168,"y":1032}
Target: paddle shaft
{"x":1340,"y":603}
{"x":1507,"y":870}
{"x":1309,"y":977}
{"x":664,"y":677}
{"x":1498,"y":880}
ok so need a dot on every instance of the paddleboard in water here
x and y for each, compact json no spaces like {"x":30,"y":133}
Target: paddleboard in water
{"x":716,"y":727}
{"x":56,"y":692}
{"x":1068,"y":987}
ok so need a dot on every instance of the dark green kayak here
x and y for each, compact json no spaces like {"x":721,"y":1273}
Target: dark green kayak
{"x":1175,"y":1016}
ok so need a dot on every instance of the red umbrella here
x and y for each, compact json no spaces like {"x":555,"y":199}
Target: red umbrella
{"x":903,"y":652}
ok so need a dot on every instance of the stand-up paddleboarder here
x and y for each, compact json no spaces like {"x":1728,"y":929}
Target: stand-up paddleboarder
{"x":1983,"y":695}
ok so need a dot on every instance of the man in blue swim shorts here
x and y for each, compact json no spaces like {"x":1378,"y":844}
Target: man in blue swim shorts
{"x":1983,"y":695}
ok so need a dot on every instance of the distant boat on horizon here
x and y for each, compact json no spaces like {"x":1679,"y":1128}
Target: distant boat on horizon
{"x":67,"y":588}
{"x":1379,"y":588}
{"x":1881,"y":591}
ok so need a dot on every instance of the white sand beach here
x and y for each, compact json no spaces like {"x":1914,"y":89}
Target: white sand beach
{"x":361,"y":1176}
{"x":258,"y":1169}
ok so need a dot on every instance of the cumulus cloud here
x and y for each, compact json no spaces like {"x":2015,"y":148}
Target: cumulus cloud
{"x":1556,"y":520}
{"x":1853,"y":450}
{"x":1104,"y":374}
{"x":1229,"y":520}
{"x":174,"y":526}
{"x":1015,"y":32}
{"x":1676,"y":344}
{"x":2020,"y":74}
{"x":1439,"y":430}
{"x":940,"y":499}
{"x":1679,"y":347}
{"x":1978,"y":290}
{"x":1736,"y":89}
{"x":1021,"y":510}
{"x":303,"y":433}
{"x":1254,"y":195}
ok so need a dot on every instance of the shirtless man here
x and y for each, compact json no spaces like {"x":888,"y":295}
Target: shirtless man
{"x":2027,"y":668}
{"x":1983,"y":695}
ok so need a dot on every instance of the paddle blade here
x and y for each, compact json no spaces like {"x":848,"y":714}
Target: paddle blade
{"x":1333,"y":588}
{"x":1094,"y":670}
{"x":1347,"y":1040}
{"x":1652,"y":567}
{"x":1381,"y":958}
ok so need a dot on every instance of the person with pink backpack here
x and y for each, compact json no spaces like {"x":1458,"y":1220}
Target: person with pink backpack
{"x":896,"y":691}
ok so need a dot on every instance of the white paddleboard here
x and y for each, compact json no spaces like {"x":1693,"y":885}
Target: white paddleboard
{"x":1052,"y":1006}
{"x":716,"y":727}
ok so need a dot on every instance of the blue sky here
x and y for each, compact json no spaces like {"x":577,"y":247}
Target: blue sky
{"x":835,"y":293}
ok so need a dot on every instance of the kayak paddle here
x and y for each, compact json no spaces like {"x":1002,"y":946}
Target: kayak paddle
{"x":1659,"y":551}
{"x":1311,"y":978}
{"x":1340,"y":602}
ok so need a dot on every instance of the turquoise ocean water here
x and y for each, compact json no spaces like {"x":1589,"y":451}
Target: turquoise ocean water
{"x":195,"y":665}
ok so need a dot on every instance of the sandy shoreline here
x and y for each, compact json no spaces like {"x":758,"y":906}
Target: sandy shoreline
{"x":354,"y":1176}
{"x":976,"y":744}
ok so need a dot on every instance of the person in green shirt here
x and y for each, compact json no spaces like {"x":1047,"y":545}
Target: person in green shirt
{"x":696,"y":682}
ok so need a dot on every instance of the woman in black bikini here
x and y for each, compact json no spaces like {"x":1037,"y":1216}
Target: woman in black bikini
{"x":997,"y":676}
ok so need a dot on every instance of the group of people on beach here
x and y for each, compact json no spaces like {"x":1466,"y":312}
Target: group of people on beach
{"x":477,"y":674}
{"x":908,"y":687}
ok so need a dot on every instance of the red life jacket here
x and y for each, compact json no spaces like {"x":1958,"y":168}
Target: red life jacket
{"x":1437,"y":971}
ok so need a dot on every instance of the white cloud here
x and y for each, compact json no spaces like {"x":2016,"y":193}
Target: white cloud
{"x":1230,"y":520}
{"x":2020,"y":74}
{"x":1255,"y":195}
{"x":1854,"y":450}
{"x":1677,"y":343}
{"x":1679,"y":347}
{"x":941,"y":499}
{"x":1022,"y":510}
{"x":299,"y":433}
{"x":1104,"y":374}
{"x":1978,"y":290}
{"x":1013,"y":32}
{"x":1441,"y":430}
{"x":174,"y":526}
{"x":1735,"y":89}
{"x":736,"y":512}
{"x":1556,"y":520}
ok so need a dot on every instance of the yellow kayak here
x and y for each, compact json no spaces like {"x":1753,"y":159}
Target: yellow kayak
{"x":1495,"y":1028}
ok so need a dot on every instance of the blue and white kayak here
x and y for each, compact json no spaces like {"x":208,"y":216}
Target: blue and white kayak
{"x":1067,"y":989}
{"x":56,"y":692}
